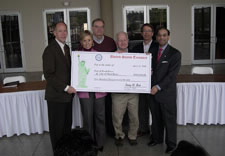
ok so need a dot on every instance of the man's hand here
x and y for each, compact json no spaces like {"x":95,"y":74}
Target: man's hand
{"x":71,"y":90}
{"x":154,"y":90}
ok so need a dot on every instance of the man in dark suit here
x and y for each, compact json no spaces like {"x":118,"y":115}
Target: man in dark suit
{"x":59,"y":93}
{"x":148,"y":45}
{"x":166,"y":63}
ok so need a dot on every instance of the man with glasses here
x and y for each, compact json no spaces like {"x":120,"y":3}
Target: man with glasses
{"x":104,"y":43}
{"x":148,"y":45}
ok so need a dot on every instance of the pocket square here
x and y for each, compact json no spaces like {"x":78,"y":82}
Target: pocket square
{"x":164,"y":61}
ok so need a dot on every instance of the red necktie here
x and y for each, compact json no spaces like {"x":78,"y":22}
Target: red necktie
{"x":159,"y":54}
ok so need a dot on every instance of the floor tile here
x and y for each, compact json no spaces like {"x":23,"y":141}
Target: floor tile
{"x":11,"y":146}
{"x":212,"y":138}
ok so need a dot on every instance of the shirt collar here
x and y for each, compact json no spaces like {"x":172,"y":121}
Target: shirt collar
{"x":99,"y":41}
{"x":147,"y":44}
{"x":60,"y":44}
{"x":164,"y":47}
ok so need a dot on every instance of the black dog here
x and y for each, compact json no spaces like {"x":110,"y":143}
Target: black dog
{"x":77,"y":143}
{"x":186,"y":148}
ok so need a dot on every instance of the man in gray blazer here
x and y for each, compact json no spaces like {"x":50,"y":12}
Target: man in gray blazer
{"x":166,"y":63}
{"x":58,"y":93}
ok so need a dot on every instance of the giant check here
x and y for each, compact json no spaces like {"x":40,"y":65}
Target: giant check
{"x":111,"y":72}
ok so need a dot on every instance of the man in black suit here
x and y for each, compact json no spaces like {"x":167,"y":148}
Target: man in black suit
{"x":166,"y":63}
{"x":148,"y":45}
{"x":58,"y":93}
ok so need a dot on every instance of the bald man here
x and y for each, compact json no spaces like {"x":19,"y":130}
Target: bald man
{"x":59,"y":93}
{"x":123,"y":101}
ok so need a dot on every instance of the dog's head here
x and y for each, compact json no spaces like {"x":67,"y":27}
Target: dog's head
{"x":186,"y":148}
{"x":77,"y":143}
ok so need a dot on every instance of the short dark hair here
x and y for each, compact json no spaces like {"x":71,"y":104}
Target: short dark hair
{"x":97,"y":20}
{"x":186,"y":148}
{"x":163,"y":28}
{"x":147,"y":25}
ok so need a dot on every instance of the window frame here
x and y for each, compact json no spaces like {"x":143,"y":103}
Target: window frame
{"x":66,"y":20}
{"x":146,"y":9}
{"x":3,"y":68}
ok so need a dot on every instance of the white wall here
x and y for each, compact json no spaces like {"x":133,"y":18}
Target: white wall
{"x":33,"y":26}
{"x":180,"y":21}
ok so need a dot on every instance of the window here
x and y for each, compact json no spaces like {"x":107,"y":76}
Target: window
{"x":11,"y":42}
{"x":77,"y":20}
{"x":136,"y":16}
{"x":208,"y":34}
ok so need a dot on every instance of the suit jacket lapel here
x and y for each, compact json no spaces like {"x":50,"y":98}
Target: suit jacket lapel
{"x":68,"y":60}
{"x":59,"y":50}
{"x":142,"y":48}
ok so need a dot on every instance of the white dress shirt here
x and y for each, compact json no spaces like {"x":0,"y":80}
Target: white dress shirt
{"x":146,"y":46}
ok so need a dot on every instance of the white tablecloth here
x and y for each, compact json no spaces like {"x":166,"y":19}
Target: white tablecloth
{"x":201,"y":103}
{"x":26,"y":113}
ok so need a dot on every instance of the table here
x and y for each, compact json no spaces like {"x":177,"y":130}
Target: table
{"x":201,"y":103}
{"x":23,"y":110}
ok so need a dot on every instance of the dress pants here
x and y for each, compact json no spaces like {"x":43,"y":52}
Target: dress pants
{"x":93,"y":111}
{"x":143,"y":113}
{"x":60,"y":120}
{"x":108,"y":115}
{"x":164,"y":117}
{"x":121,"y":102}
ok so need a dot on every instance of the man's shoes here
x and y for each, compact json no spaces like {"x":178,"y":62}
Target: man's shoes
{"x":152,"y":143}
{"x":119,"y":142}
{"x":169,"y":149}
{"x":133,"y":142}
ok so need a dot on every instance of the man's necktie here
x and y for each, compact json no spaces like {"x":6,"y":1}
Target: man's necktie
{"x":159,"y":54}
{"x":67,"y":53}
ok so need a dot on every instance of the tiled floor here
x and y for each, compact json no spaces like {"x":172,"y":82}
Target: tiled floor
{"x":212,"y":138}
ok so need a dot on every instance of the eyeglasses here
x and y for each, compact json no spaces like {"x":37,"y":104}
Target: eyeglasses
{"x":162,"y":35}
{"x":147,"y":31}
{"x":99,"y":27}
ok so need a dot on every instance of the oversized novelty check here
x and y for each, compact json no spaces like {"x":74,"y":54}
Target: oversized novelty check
{"x":111,"y":72}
